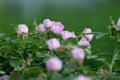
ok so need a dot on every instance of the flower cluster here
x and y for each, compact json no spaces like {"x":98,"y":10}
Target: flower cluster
{"x":55,"y":27}
{"x":55,"y":63}
{"x":49,"y":52}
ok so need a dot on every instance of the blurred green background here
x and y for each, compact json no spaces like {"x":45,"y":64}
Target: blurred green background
{"x":74,"y":14}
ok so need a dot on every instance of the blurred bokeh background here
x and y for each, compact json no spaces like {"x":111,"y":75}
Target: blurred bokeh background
{"x":74,"y":14}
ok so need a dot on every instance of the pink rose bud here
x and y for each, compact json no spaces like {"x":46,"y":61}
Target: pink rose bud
{"x":88,"y":36}
{"x":118,"y":23}
{"x":82,"y":77}
{"x":41,"y":28}
{"x":53,"y":44}
{"x":22,"y":29}
{"x":84,"y":42}
{"x":47,"y":23}
{"x":57,"y":27}
{"x":78,"y":54}
{"x":67,"y":34}
{"x":67,"y":62}
{"x":28,"y":62}
{"x":54,"y":64}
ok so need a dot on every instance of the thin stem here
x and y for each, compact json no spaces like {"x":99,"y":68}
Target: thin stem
{"x":23,"y":44}
{"x":113,"y":60}
{"x":98,"y":33}
{"x":79,"y":36}
{"x":23,"y":38}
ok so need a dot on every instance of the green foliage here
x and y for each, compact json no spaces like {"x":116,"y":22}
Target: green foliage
{"x":24,"y":57}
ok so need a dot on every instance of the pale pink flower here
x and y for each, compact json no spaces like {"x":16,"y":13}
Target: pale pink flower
{"x":84,"y":42}
{"x":53,"y":44}
{"x":82,"y":77}
{"x":47,"y":23}
{"x":54,"y":64}
{"x":118,"y":23}
{"x":4,"y":77}
{"x":1,"y":78}
{"x":22,"y":29}
{"x":57,"y":27}
{"x":88,"y":36}
{"x":78,"y":54}
{"x":41,"y":28}
{"x":68,"y":34}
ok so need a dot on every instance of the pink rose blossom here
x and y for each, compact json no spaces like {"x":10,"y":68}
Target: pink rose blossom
{"x":118,"y":23}
{"x":22,"y":29}
{"x":84,"y":42}
{"x":41,"y":28}
{"x":53,"y":44}
{"x":47,"y":23}
{"x":88,"y":36}
{"x":82,"y":77}
{"x":67,"y":34}
{"x":57,"y":27}
{"x":54,"y":64}
{"x":78,"y":54}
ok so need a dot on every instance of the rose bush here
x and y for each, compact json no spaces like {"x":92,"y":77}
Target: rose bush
{"x":48,"y":52}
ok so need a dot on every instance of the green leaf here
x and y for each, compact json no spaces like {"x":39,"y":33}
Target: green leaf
{"x":69,"y":78}
{"x":33,"y":71}
{"x":2,"y":72}
{"x":100,"y":44}
{"x":69,"y":40}
{"x":101,"y":35}
{"x":88,"y":51}
{"x":15,"y":62}
{"x":56,"y":76}
{"x":39,"y":54}
{"x":118,"y":40}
